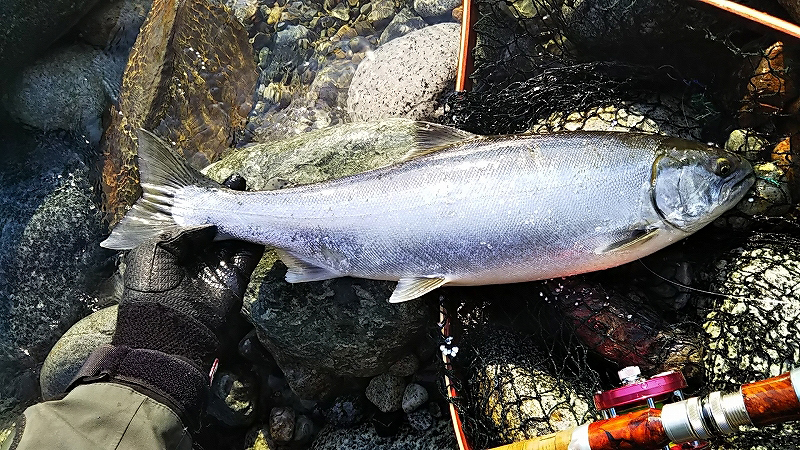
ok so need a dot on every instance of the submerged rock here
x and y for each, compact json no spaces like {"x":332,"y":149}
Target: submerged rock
{"x":30,"y":27}
{"x":406,"y":76}
{"x":50,"y":258}
{"x":63,"y":90}
{"x":189,"y":89}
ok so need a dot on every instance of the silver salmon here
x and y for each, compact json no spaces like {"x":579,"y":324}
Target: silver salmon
{"x":462,"y":209}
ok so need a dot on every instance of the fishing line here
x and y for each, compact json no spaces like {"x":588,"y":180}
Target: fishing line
{"x":690,"y":288}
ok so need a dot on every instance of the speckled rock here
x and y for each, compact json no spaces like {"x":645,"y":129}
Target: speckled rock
{"x":770,"y":195}
{"x":50,"y":260}
{"x":233,"y":399}
{"x":414,"y":396}
{"x":547,"y":404}
{"x":72,"y":349}
{"x":189,"y":89}
{"x":406,"y":366}
{"x":420,"y":420}
{"x":432,"y":8}
{"x":752,"y":329}
{"x":281,"y":423}
{"x":406,"y":76}
{"x":346,"y":411}
{"x":364,"y":437}
{"x":402,"y":23}
{"x":63,"y":90}
{"x":386,"y":392}
{"x":30,"y":27}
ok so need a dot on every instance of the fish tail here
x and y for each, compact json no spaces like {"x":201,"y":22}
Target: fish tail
{"x":163,"y":174}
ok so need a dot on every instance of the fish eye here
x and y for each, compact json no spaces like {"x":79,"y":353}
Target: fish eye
{"x":722,"y":167}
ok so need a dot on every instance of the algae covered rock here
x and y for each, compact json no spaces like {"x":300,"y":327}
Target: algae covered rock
{"x":72,"y":349}
{"x":322,"y":331}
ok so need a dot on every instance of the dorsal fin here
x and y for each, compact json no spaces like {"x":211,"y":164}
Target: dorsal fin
{"x":432,"y":137}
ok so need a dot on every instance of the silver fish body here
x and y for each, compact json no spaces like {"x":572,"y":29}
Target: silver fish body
{"x":480,"y":210}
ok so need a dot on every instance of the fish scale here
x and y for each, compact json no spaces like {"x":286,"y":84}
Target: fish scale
{"x":468,"y":210}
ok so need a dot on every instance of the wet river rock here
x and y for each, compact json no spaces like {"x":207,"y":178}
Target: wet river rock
{"x":50,"y":258}
{"x":406,"y":76}
{"x":186,"y":87}
{"x":322,"y":331}
{"x":30,"y":27}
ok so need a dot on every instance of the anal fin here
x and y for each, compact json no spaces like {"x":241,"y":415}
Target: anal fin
{"x":301,"y":271}
{"x":414,"y":287}
{"x":631,"y":240}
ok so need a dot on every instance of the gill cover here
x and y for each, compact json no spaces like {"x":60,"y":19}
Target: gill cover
{"x":692,"y":184}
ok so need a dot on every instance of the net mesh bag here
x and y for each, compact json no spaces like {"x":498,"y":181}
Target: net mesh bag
{"x":530,"y":356}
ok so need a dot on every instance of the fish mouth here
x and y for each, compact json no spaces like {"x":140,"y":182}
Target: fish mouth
{"x":735,"y":188}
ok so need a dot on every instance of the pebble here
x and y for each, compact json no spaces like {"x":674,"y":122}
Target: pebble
{"x":386,"y":392}
{"x":770,"y":195}
{"x":281,"y":423}
{"x":304,"y":429}
{"x":233,"y":399}
{"x":746,"y":142}
{"x":432,"y":8}
{"x":420,"y":420}
{"x":414,"y":397}
{"x":346,"y":411}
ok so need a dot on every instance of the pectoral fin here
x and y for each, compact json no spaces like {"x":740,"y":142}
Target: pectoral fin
{"x":411,"y":288}
{"x":634,"y":238}
{"x":301,"y":271}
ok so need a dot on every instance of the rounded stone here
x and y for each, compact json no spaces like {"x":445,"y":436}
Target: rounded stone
{"x":304,"y":429}
{"x":770,"y":194}
{"x":233,"y":399}
{"x":414,"y":397}
{"x":281,"y":423}
{"x":63,"y":90}
{"x":432,"y":8}
{"x":407,"y":76}
{"x":420,"y":420}
{"x":71,"y":351}
{"x":386,"y":392}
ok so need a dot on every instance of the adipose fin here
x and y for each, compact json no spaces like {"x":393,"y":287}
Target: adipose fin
{"x":162,"y":174}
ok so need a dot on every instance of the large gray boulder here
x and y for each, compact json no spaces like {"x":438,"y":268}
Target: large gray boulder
{"x":407,"y":76}
{"x":324,"y":331}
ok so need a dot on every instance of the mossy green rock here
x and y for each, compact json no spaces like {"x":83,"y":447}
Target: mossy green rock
{"x":322,"y":332}
{"x":71,"y":351}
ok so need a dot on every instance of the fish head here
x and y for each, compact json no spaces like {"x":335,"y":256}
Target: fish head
{"x":693,"y":183}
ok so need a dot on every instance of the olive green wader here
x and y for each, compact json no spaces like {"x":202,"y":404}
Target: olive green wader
{"x":99,"y":416}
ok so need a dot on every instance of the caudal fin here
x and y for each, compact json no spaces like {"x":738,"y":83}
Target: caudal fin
{"x":162,"y":174}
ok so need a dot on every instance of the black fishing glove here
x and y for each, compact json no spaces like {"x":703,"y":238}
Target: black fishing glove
{"x":179,"y":292}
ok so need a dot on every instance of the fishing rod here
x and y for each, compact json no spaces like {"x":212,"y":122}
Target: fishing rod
{"x":690,"y":421}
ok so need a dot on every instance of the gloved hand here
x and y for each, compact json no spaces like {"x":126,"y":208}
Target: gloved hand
{"x":179,"y":291}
